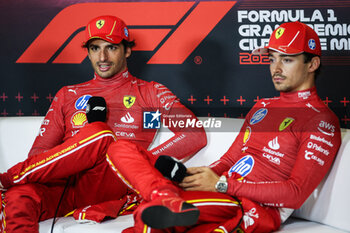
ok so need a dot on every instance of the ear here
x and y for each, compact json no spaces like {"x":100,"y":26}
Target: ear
{"x":314,"y":64}
{"x":127,"y":52}
{"x":88,"y":53}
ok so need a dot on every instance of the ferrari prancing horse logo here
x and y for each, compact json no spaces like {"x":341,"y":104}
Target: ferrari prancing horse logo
{"x":129,"y":101}
{"x":100,"y":23}
{"x":279,"y":33}
{"x":285,"y":123}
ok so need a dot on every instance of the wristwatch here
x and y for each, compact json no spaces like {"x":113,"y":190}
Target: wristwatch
{"x":221,"y":185}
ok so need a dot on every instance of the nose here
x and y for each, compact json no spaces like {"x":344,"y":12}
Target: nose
{"x":103,"y":55}
{"x":276,"y":67}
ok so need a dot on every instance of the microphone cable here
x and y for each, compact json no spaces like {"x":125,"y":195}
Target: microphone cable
{"x":242,"y":210}
{"x":59,"y":203}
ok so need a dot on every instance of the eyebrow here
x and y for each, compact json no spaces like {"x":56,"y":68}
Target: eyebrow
{"x":288,"y":55}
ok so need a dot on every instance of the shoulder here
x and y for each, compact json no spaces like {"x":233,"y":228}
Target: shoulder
{"x":266,"y":102}
{"x":152,"y":87}
{"x":325,"y":118}
{"x":155,"y":93}
{"x":79,"y":85}
{"x":321,"y":119}
{"x":77,"y":91}
{"x":321,"y":111}
{"x":74,"y":88}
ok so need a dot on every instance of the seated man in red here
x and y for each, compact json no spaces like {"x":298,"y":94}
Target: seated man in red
{"x":285,"y":148}
{"x":68,"y":157}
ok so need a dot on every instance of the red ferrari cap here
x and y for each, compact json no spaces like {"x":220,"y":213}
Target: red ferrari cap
{"x":108,"y":28}
{"x":292,"y":38}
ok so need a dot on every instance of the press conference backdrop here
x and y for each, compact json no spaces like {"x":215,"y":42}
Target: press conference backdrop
{"x":198,"y":49}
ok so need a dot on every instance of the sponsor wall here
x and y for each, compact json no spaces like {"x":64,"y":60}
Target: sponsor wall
{"x":198,"y":49}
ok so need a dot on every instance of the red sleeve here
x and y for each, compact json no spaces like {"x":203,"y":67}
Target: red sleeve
{"x":187,"y":140}
{"x":232,"y":155}
{"x":319,"y":142}
{"x":52,"y":129}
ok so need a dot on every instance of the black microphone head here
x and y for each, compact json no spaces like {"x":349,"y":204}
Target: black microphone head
{"x":96,"y":109}
{"x":171,"y":168}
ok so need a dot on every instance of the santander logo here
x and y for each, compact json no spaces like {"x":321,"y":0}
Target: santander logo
{"x":127,"y":118}
{"x":273,"y":144}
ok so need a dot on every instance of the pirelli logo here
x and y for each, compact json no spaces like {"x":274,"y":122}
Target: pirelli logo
{"x":171,"y":29}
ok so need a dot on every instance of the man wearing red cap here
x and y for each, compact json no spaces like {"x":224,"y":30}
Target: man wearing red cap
{"x":284,"y":149}
{"x":68,"y":158}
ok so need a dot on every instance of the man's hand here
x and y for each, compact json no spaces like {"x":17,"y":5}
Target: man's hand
{"x":200,"y":179}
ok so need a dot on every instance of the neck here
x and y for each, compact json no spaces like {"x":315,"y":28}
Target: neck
{"x":297,"y":96}
{"x":115,"y":78}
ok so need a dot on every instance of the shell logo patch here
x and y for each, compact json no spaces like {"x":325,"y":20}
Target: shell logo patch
{"x":79,"y":119}
{"x":279,"y":33}
{"x":285,"y":123}
{"x":100,"y":23}
{"x":129,"y":101}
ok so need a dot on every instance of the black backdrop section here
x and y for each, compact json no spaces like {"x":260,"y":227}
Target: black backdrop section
{"x":218,"y":78}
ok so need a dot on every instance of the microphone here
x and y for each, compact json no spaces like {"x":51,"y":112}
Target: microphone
{"x":96,"y":109}
{"x":171,"y":168}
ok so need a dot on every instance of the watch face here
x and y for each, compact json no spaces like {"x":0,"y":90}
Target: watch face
{"x":222,"y":187}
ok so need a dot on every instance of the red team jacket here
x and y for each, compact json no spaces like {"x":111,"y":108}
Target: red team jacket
{"x":135,"y":110}
{"x":285,"y":148}
{"x":127,"y":99}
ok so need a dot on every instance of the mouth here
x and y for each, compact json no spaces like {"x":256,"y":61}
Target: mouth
{"x":278,"y":78}
{"x":104,"y":67}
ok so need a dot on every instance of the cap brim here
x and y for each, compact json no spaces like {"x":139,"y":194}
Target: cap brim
{"x":110,"y":39}
{"x":287,"y":51}
{"x":260,"y":50}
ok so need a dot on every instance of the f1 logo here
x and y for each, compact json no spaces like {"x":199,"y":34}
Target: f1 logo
{"x":171,"y":29}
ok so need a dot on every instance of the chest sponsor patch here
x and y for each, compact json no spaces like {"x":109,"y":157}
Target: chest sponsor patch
{"x":273,"y":144}
{"x":285,"y":123}
{"x":82,"y":102}
{"x":79,"y":119}
{"x":258,"y":116}
{"x":243,"y":166}
{"x":127,"y":118}
{"x":247,"y":134}
{"x":326,"y":128}
{"x":129,"y":101}
{"x":304,"y":94}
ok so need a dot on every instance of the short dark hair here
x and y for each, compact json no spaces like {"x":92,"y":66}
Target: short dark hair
{"x":129,"y":44}
{"x":308,"y":57}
